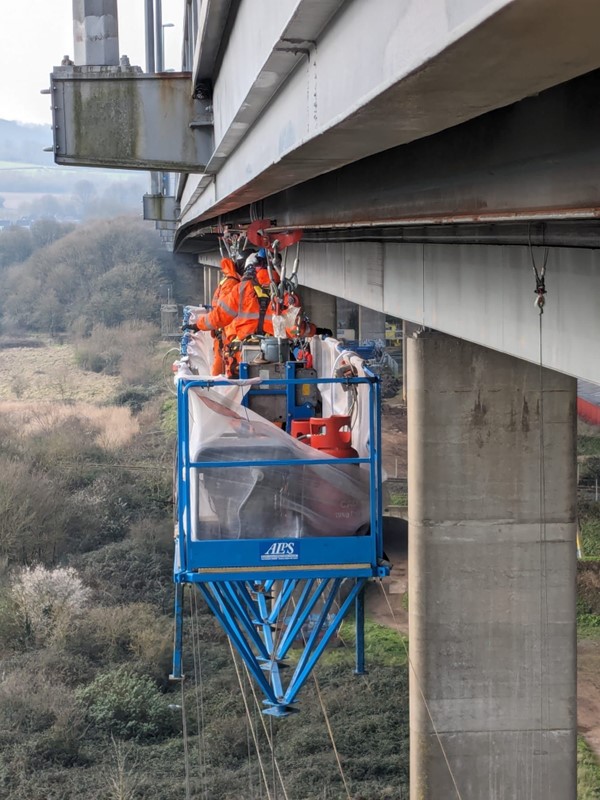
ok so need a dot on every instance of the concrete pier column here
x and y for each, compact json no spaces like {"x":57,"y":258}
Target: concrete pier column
{"x":371,"y":324}
{"x":491,"y":585}
{"x":96,"y":32}
{"x":212,"y":276}
{"x":320,"y":307}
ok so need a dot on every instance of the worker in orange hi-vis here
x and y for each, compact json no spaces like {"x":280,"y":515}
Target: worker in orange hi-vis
{"x":218,"y":320}
{"x":250,"y":310}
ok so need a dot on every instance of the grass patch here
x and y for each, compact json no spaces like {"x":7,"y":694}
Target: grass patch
{"x":590,"y":534}
{"x":168,"y":416}
{"x":588,"y":623}
{"x":383,"y":646}
{"x":398,"y":499}
{"x":588,"y":772}
{"x":588,"y":445}
{"x":588,"y":626}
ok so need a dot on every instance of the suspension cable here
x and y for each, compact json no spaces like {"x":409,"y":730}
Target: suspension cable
{"x":418,"y":683}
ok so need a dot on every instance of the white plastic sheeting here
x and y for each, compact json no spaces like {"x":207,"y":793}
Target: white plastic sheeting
{"x":265,"y":501}
{"x":327,"y":355}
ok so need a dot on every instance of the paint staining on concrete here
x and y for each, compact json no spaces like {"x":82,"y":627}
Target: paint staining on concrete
{"x":525,"y":416}
{"x":479,"y":412}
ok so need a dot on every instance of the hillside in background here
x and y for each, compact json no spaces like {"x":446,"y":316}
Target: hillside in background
{"x":25,"y":142}
{"x":32,"y":186}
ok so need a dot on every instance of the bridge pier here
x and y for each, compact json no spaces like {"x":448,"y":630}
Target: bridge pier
{"x":491,"y":586}
{"x":320,"y":307}
{"x":212,"y":276}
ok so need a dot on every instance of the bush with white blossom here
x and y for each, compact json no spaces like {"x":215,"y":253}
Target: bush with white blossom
{"x":48,"y":599}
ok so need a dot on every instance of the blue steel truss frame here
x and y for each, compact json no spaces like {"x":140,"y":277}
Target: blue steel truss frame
{"x":265,"y":608}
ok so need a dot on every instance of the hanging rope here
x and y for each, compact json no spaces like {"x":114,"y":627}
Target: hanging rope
{"x":543,"y":543}
{"x":418,"y":683}
{"x":266,"y":731}
{"x":331,"y":736}
{"x":198,"y":680}
{"x":540,"y":276}
{"x":186,"y":752}
{"x":328,"y":725}
{"x":249,"y":718}
{"x":273,"y":759}
{"x":248,"y":747}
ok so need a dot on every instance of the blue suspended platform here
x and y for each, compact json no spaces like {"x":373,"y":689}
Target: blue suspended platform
{"x":268,"y":590}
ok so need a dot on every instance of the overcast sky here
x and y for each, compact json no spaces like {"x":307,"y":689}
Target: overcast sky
{"x":36,"y":34}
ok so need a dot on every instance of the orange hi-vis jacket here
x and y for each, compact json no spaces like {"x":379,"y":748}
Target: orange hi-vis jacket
{"x":222,"y":313}
{"x":249,"y":310}
{"x":221,"y":337}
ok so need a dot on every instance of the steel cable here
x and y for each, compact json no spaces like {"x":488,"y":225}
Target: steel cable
{"x":418,"y":683}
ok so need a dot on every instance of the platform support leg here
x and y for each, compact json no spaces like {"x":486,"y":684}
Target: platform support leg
{"x":177,"y":673}
{"x":359,"y":614}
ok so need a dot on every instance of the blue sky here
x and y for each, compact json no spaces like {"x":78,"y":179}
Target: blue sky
{"x":36,"y":34}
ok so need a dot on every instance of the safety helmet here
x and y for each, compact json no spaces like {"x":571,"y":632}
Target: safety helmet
{"x":240,"y":259}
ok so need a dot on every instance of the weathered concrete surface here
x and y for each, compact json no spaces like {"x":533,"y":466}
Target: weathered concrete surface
{"x":320,"y":308}
{"x":491,"y":588}
{"x":482,"y":293}
{"x":120,"y":117}
{"x":371,"y":324}
{"x":378,"y":75}
{"x":96,"y":32}
{"x":212,"y":277}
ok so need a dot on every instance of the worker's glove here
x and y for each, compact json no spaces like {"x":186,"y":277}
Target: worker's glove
{"x":189,"y":326}
{"x":324,"y":332}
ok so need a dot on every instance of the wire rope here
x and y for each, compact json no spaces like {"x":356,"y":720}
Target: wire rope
{"x":425,"y":703}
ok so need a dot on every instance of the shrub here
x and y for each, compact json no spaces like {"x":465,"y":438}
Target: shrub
{"x":48,"y":599}
{"x":27,"y":506}
{"x":126,"y":349}
{"x":30,"y":702}
{"x":127,"y":706}
{"x":133,"y":633}
{"x":128,"y":570}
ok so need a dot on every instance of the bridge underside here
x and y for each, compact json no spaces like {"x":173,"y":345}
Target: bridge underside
{"x":453,"y":223}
